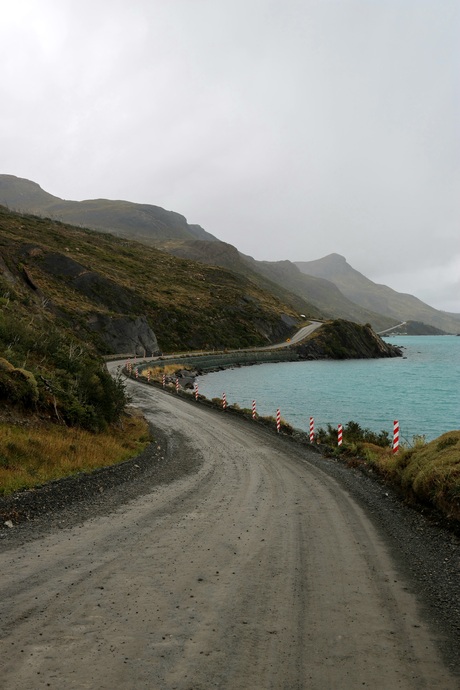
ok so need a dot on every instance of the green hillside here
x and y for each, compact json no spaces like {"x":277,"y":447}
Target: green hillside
{"x":227,"y":256}
{"x":88,"y":279}
{"x":313,"y":294}
{"x":327,"y":286}
{"x":143,"y":222}
{"x":69,"y":295}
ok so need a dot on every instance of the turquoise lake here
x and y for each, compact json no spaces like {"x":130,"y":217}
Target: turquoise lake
{"x":420,"y":390}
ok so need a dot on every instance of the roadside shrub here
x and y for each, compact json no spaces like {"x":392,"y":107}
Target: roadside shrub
{"x":25,"y":385}
{"x":63,"y":378}
{"x":17,"y":386}
{"x":353,"y":436}
{"x":446,"y":443}
{"x":5,"y":365}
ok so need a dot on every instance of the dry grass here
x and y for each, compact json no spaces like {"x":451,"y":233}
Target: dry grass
{"x":30,"y":456}
{"x":156,"y":373}
{"x":430,"y":472}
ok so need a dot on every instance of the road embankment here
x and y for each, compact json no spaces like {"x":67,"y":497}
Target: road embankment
{"x":209,"y":361}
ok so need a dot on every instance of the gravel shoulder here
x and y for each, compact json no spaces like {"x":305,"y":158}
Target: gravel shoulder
{"x":227,"y":557}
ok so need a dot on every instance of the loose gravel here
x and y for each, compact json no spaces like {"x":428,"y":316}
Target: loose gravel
{"x":426,"y":551}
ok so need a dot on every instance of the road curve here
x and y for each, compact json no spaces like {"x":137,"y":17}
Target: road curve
{"x":300,"y":335}
{"x":258,"y":572}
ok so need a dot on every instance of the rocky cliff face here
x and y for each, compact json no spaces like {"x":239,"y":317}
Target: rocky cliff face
{"x":346,"y":340}
{"x":125,"y":334}
{"x":123,"y":328}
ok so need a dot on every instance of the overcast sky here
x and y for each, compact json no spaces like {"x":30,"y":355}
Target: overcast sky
{"x":289,"y":128}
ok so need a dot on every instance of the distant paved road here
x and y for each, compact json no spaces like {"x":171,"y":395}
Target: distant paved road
{"x":258,"y":572}
{"x":296,"y":338}
{"x":388,"y":330}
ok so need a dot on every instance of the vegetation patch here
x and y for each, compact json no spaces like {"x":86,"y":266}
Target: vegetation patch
{"x":82,"y":278}
{"x":427,"y":474}
{"x":354,"y":435}
{"x":33,"y":455}
{"x":47,"y":370}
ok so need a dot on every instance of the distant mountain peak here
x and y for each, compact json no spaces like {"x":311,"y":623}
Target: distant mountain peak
{"x":328,"y":267}
{"x":334,"y":258}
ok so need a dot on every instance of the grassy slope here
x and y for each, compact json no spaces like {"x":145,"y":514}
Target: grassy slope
{"x":431,"y":472}
{"x":227,"y":256}
{"x":309,"y":295}
{"x":125,"y":218}
{"x":34,"y":451}
{"x":428,"y":473}
{"x":188,"y":305}
{"x":153,"y":225}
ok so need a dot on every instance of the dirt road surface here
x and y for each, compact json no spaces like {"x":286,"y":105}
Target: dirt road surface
{"x":256,"y":572}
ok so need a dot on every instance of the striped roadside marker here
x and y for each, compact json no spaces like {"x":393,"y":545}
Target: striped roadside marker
{"x":163,"y":380}
{"x":177,"y":385}
{"x":254,"y":410}
{"x":278,"y":420}
{"x":196,"y":391}
{"x":224,"y":401}
{"x":395,"y":436}
{"x":136,"y":372}
{"x":312,"y":429}
{"x":148,"y":375}
{"x":339,"y":434}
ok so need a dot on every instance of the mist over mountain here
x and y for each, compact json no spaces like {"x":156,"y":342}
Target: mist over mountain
{"x":375,"y":297}
{"x":143,"y":222}
{"x":328,"y":287}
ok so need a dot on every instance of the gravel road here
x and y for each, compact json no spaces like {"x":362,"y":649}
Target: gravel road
{"x":260,"y":566}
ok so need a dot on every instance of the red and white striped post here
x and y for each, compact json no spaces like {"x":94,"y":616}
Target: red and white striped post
{"x":163,"y":380}
{"x":177,"y":385}
{"x":136,"y":372}
{"x":148,"y":375}
{"x":312,"y":429}
{"x":278,"y":420}
{"x":196,"y":391}
{"x":224,"y":401}
{"x":254,"y":409}
{"x":339,"y":435}
{"x":395,"y":436}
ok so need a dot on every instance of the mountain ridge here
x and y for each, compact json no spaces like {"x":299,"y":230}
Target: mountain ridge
{"x":106,"y":215}
{"x":311,"y":287}
{"x":377,"y":297}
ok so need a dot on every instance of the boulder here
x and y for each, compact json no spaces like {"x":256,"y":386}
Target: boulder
{"x":125,"y":334}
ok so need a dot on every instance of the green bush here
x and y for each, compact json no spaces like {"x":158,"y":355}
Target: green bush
{"x":5,"y":365}
{"x":47,"y":368}
{"x":18,"y":386}
{"x":26,"y":387}
{"x":353,"y":435}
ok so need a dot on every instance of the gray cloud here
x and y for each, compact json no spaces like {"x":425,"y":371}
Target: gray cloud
{"x":291,"y":128}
